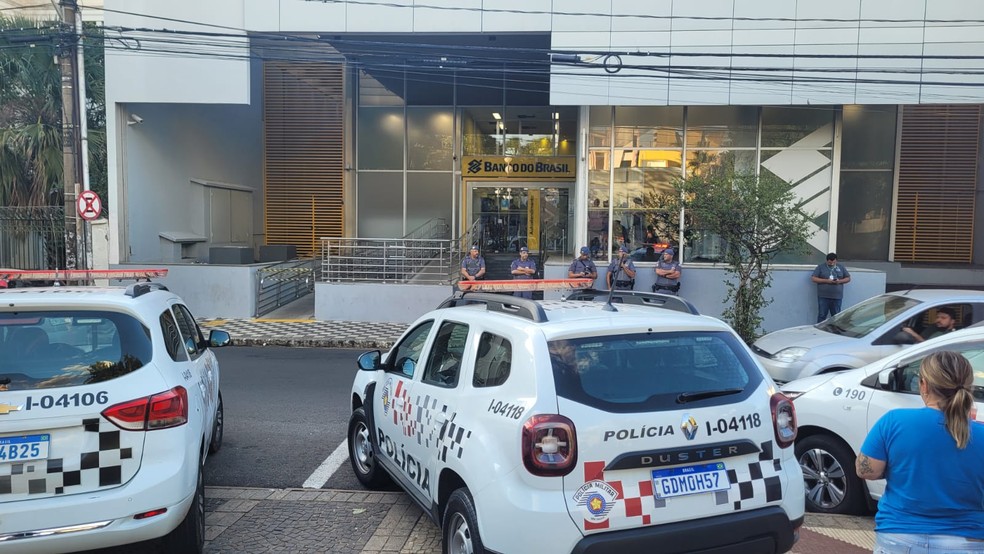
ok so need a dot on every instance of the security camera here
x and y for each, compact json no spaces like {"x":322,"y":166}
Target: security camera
{"x":135,"y":119}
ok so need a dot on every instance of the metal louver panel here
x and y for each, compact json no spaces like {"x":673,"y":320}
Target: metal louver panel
{"x":303,"y":112}
{"x":937,"y":180}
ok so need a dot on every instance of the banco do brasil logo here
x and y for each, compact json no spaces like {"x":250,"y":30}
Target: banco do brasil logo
{"x":474,"y":166}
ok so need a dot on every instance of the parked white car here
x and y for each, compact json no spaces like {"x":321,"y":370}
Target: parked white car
{"x":836,"y":411}
{"x":110,"y":405}
{"x":863,"y":333}
{"x":580,"y":426}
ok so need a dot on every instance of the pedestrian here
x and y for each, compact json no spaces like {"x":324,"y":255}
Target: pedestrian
{"x":830,"y":278}
{"x":582,"y":267}
{"x":668,"y":274}
{"x":622,"y":271}
{"x":473,"y":267}
{"x":946,"y":322}
{"x":931,"y":460}
{"x":523,"y":268}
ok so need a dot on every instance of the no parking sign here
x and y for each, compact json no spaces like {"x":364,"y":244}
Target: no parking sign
{"x":89,"y":205}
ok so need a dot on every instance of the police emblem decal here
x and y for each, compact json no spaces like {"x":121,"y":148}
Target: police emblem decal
{"x":386,"y":395}
{"x":597,"y":498}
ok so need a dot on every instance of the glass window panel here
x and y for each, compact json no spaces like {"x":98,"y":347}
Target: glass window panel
{"x":386,"y":90}
{"x":864,"y":218}
{"x":480,"y":130}
{"x":598,"y":203}
{"x":381,"y":138}
{"x":641,"y":126}
{"x":530,"y":131}
{"x":428,"y":196}
{"x":704,"y":161}
{"x":600,"y":126}
{"x":430,"y":86}
{"x":783,"y":127}
{"x":380,"y":204}
{"x":869,"y":137}
{"x":430,"y":142}
{"x":722,"y":126}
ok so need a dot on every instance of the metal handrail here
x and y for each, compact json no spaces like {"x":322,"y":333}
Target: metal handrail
{"x":280,"y":284}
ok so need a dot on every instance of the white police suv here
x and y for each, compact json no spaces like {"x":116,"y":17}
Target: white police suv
{"x":109,"y":405}
{"x":580,"y":426}
{"x":836,"y":411}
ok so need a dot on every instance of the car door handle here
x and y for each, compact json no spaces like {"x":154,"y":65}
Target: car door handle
{"x":398,"y":402}
{"x":440,"y":418}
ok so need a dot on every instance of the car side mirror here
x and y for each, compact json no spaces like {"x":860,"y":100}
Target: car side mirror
{"x":217,"y":338}
{"x":369,"y":361}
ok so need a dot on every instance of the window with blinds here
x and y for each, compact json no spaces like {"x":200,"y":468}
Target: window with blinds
{"x":304,"y":163}
{"x":938,"y":167}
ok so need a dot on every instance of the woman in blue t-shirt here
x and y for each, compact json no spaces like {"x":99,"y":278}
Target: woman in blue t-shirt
{"x":933,"y":461}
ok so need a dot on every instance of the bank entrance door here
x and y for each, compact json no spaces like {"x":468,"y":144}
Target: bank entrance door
{"x":512,"y":215}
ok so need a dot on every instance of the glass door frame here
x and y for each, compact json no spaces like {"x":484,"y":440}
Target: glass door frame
{"x":472,"y":185}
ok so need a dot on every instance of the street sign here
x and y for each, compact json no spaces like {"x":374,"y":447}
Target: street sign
{"x":89,"y":205}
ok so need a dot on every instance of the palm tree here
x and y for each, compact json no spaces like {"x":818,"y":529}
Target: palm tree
{"x":30,"y":112}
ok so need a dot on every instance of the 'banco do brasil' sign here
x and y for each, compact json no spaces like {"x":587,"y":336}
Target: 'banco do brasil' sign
{"x":518,"y":166}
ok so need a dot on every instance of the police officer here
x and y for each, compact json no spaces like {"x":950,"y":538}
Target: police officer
{"x":473,"y":267}
{"x":582,"y":267}
{"x":622,"y":271}
{"x":523,"y":268}
{"x":667,"y":274}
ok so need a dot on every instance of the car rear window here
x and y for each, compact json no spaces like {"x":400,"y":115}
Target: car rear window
{"x":50,"y":349}
{"x":653,"y":371}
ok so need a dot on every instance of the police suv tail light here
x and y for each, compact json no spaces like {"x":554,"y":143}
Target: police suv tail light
{"x":549,"y":445}
{"x":160,"y":411}
{"x":783,"y":419}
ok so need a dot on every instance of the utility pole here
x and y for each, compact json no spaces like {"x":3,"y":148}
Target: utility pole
{"x":73,"y":223}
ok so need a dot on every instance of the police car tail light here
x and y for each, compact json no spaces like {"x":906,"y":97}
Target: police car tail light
{"x":549,"y":445}
{"x":783,"y":419}
{"x":160,"y":411}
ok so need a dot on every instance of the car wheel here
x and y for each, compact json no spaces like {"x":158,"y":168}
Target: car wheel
{"x":459,"y":526}
{"x":362,"y":454}
{"x":832,"y":485}
{"x":218,"y":428}
{"x":189,"y":535}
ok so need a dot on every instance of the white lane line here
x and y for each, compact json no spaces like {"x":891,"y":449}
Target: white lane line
{"x":327,"y":467}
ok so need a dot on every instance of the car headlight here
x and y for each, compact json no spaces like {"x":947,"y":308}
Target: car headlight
{"x":790,"y":354}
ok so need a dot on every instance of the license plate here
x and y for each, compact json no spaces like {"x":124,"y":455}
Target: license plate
{"x":681,"y":481}
{"x":24,"y":448}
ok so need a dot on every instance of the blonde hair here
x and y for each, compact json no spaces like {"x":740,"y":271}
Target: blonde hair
{"x":950,"y":376}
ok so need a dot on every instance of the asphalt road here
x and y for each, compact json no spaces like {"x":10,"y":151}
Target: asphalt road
{"x":286,"y":412}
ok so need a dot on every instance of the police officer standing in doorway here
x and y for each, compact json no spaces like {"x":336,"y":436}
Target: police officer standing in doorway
{"x":523,"y":268}
{"x":622,"y":271}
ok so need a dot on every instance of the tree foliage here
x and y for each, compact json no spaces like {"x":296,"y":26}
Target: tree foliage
{"x":757,"y":216}
{"x":30,"y":112}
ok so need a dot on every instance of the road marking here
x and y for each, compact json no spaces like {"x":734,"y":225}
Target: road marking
{"x":327,"y":467}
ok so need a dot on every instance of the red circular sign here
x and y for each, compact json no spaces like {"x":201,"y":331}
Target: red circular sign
{"x":89,"y":205}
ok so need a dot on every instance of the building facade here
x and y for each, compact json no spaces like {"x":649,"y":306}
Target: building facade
{"x":545,"y":124}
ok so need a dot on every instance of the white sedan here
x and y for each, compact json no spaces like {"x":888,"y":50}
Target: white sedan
{"x":835,"y":412}
{"x":110,"y":404}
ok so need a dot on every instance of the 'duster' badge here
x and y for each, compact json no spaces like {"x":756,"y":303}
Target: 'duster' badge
{"x":597,"y":498}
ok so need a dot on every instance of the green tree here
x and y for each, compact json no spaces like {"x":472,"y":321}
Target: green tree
{"x":757,"y":216}
{"x":30,"y":111}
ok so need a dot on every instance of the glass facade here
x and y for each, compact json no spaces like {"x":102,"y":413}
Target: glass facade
{"x":633,"y":163}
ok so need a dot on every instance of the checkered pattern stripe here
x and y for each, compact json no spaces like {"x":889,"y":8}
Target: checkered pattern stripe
{"x":403,"y":416}
{"x":753,"y":484}
{"x":307,"y":330}
{"x":419,"y":419}
{"x":108,"y":458}
{"x":452,"y":439}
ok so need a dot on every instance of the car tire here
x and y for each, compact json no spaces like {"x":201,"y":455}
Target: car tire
{"x":459,"y":526}
{"x":218,"y":428}
{"x":832,"y":485}
{"x":362,"y":453}
{"x":189,"y":536}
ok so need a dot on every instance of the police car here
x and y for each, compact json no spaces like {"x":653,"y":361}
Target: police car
{"x":580,"y":426}
{"x":110,"y":404}
{"x":836,"y":411}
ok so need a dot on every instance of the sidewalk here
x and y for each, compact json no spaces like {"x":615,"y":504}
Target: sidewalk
{"x":320,"y":520}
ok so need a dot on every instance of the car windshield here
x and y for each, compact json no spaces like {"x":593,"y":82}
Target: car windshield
{"x":652,"y":371}
{"x":861,"y":319}
{"x":47,"y":349}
